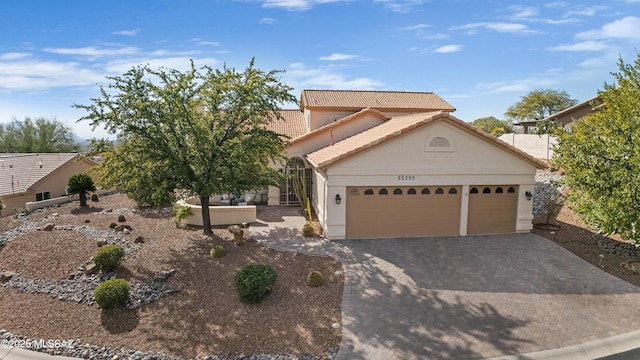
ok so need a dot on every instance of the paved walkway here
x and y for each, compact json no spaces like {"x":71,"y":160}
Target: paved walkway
{"x":468,"y":297}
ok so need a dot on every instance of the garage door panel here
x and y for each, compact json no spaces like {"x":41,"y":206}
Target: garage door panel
{"x":492,"y":209}
{"x":403,"y":213}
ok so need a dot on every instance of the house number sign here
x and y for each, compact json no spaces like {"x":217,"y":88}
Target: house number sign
{"x":406,"y":177}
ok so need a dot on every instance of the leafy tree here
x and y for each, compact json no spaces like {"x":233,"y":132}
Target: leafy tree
{"x":601,"y":157}
{"x":203,"y":131}
{"x":493,"y":125}
{"x":36,"y":136}
{"x":538,"y":104}
{"x":80,"y":184}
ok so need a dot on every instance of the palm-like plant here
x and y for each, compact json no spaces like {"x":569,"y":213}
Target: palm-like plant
{"x":80,"y":184}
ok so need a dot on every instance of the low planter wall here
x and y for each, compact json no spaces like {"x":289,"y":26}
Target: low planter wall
{"x":33,"y":205}
{"x":221,"y":215}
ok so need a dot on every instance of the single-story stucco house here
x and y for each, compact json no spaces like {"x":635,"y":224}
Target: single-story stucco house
{"x":566,"y":117}
{"x":28,"y":178}
{"x":398,"y":164}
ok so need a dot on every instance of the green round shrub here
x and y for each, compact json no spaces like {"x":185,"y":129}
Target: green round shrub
{"x":112,"y":294}
{"x":112,"y":225}
{"x":94,"y":197}
{"x":315,"y":279}
{"x":218,"y":251}
{"x":108,"y":257}
{"x":253,"y":282}
{"x":308,"y":230}
{"x":121,"y":218}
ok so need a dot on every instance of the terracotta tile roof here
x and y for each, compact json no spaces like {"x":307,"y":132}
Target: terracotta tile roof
{"x":329,"y":127}
{"x":18,"y":172}
{"x":384,"y":100}
{"x":398,"y":126}
{"x":291,"y":124}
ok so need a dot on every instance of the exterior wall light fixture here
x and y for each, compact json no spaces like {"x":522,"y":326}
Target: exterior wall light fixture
{"x":529,"y":195}
{"x":338,"y":199}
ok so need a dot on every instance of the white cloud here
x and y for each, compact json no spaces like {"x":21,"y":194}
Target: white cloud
{"x":338,"y":57}
{"x":94,"y":52}
{"x":268,"y":21}
{"x":299,"y":76}
{"x":178,"y":62}
{"x":520,"y":85}
{"x":401,"y":6}
{"x":589,"y":45}
{"x":174,"y":53}
{"x":14,"y":56}
{"x":45,"y":74}
{"x":625,"y":28}
{"x":415,"y":27}
{"x":584,"y":10}
{"x":524,"y":11}
{"x":501,"y":27}
{"x":133,"y":32}
{"x":449,"y":48}
{"x":208,"y":43}
{"x":295,"y":5}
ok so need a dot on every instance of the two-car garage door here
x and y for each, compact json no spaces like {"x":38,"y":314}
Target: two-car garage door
{"x":405,"y":211}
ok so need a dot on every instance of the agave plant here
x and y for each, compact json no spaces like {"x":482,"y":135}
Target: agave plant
{"x":81,"y":184}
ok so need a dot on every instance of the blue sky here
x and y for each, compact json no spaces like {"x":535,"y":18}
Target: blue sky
{"x":480,"y":56}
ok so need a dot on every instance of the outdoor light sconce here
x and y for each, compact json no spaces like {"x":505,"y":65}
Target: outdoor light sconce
{"x":529,"y":195}
{"x":338,"y":199}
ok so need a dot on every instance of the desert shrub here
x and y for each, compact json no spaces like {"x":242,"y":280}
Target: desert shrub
{"x":253,"y":282}
{"x":112,"y":294}
{"x":112,"y":225}
{"x":218,"y":251}
{"x":315,"y":278}
{"x":121,"y":218}
{"x":94,"y":197}
{"x":108,"y":257}
{"x":308,"y":230}
{"x":181,"y":213}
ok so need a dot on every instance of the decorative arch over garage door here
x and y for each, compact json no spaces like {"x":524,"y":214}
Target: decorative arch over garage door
{"x":402,"y":211}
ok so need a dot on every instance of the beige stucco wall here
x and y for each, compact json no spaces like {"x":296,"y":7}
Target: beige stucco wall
{"x":472,"y":161}
{"x":538,"y":146}
{"x":11,"y":203}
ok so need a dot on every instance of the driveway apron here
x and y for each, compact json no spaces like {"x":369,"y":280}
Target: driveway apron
{"x":462,"y":297}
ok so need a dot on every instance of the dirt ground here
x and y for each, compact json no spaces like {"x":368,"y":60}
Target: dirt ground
{"x":205,"y":317}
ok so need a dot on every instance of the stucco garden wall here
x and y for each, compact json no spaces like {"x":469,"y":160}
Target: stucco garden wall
{"x":538,"y":146}
{"x":221,"y":215}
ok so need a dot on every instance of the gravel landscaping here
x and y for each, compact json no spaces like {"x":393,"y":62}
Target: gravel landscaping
{"x":183,"y":302}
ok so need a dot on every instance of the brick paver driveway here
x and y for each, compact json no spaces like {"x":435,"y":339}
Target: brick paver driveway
{"x":476,"y":297}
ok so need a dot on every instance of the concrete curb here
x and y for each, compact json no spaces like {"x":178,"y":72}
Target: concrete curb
{"x":588,"y":351}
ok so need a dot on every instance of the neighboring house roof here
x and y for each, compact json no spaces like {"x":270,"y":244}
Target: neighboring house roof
{"x":385,"y":100}
{"x":291,"y":124}
{"x":576,"y":111}
{"x":569,"y":114}
{"x":19,"y":172}
{"x":337,"y":123}
{"x":396,"y":127}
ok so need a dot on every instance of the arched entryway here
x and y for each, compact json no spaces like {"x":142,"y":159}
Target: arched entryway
{"x":296,"y":168}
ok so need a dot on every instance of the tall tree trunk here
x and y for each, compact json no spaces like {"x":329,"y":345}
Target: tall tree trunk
{"x":206,"y":221}
{"x":83,"y":199}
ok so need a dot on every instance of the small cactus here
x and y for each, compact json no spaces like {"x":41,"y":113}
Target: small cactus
{"x":94,"y":197}
{"x":121,"y":218}
{"x":315,"y":279}
{"x":112,"y":225}
{"x":218,"y":251}
{"x":308,"y":230}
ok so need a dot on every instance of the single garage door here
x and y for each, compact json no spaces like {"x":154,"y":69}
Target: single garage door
{"x":403,"y":211}
{"x":492,"y":209}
